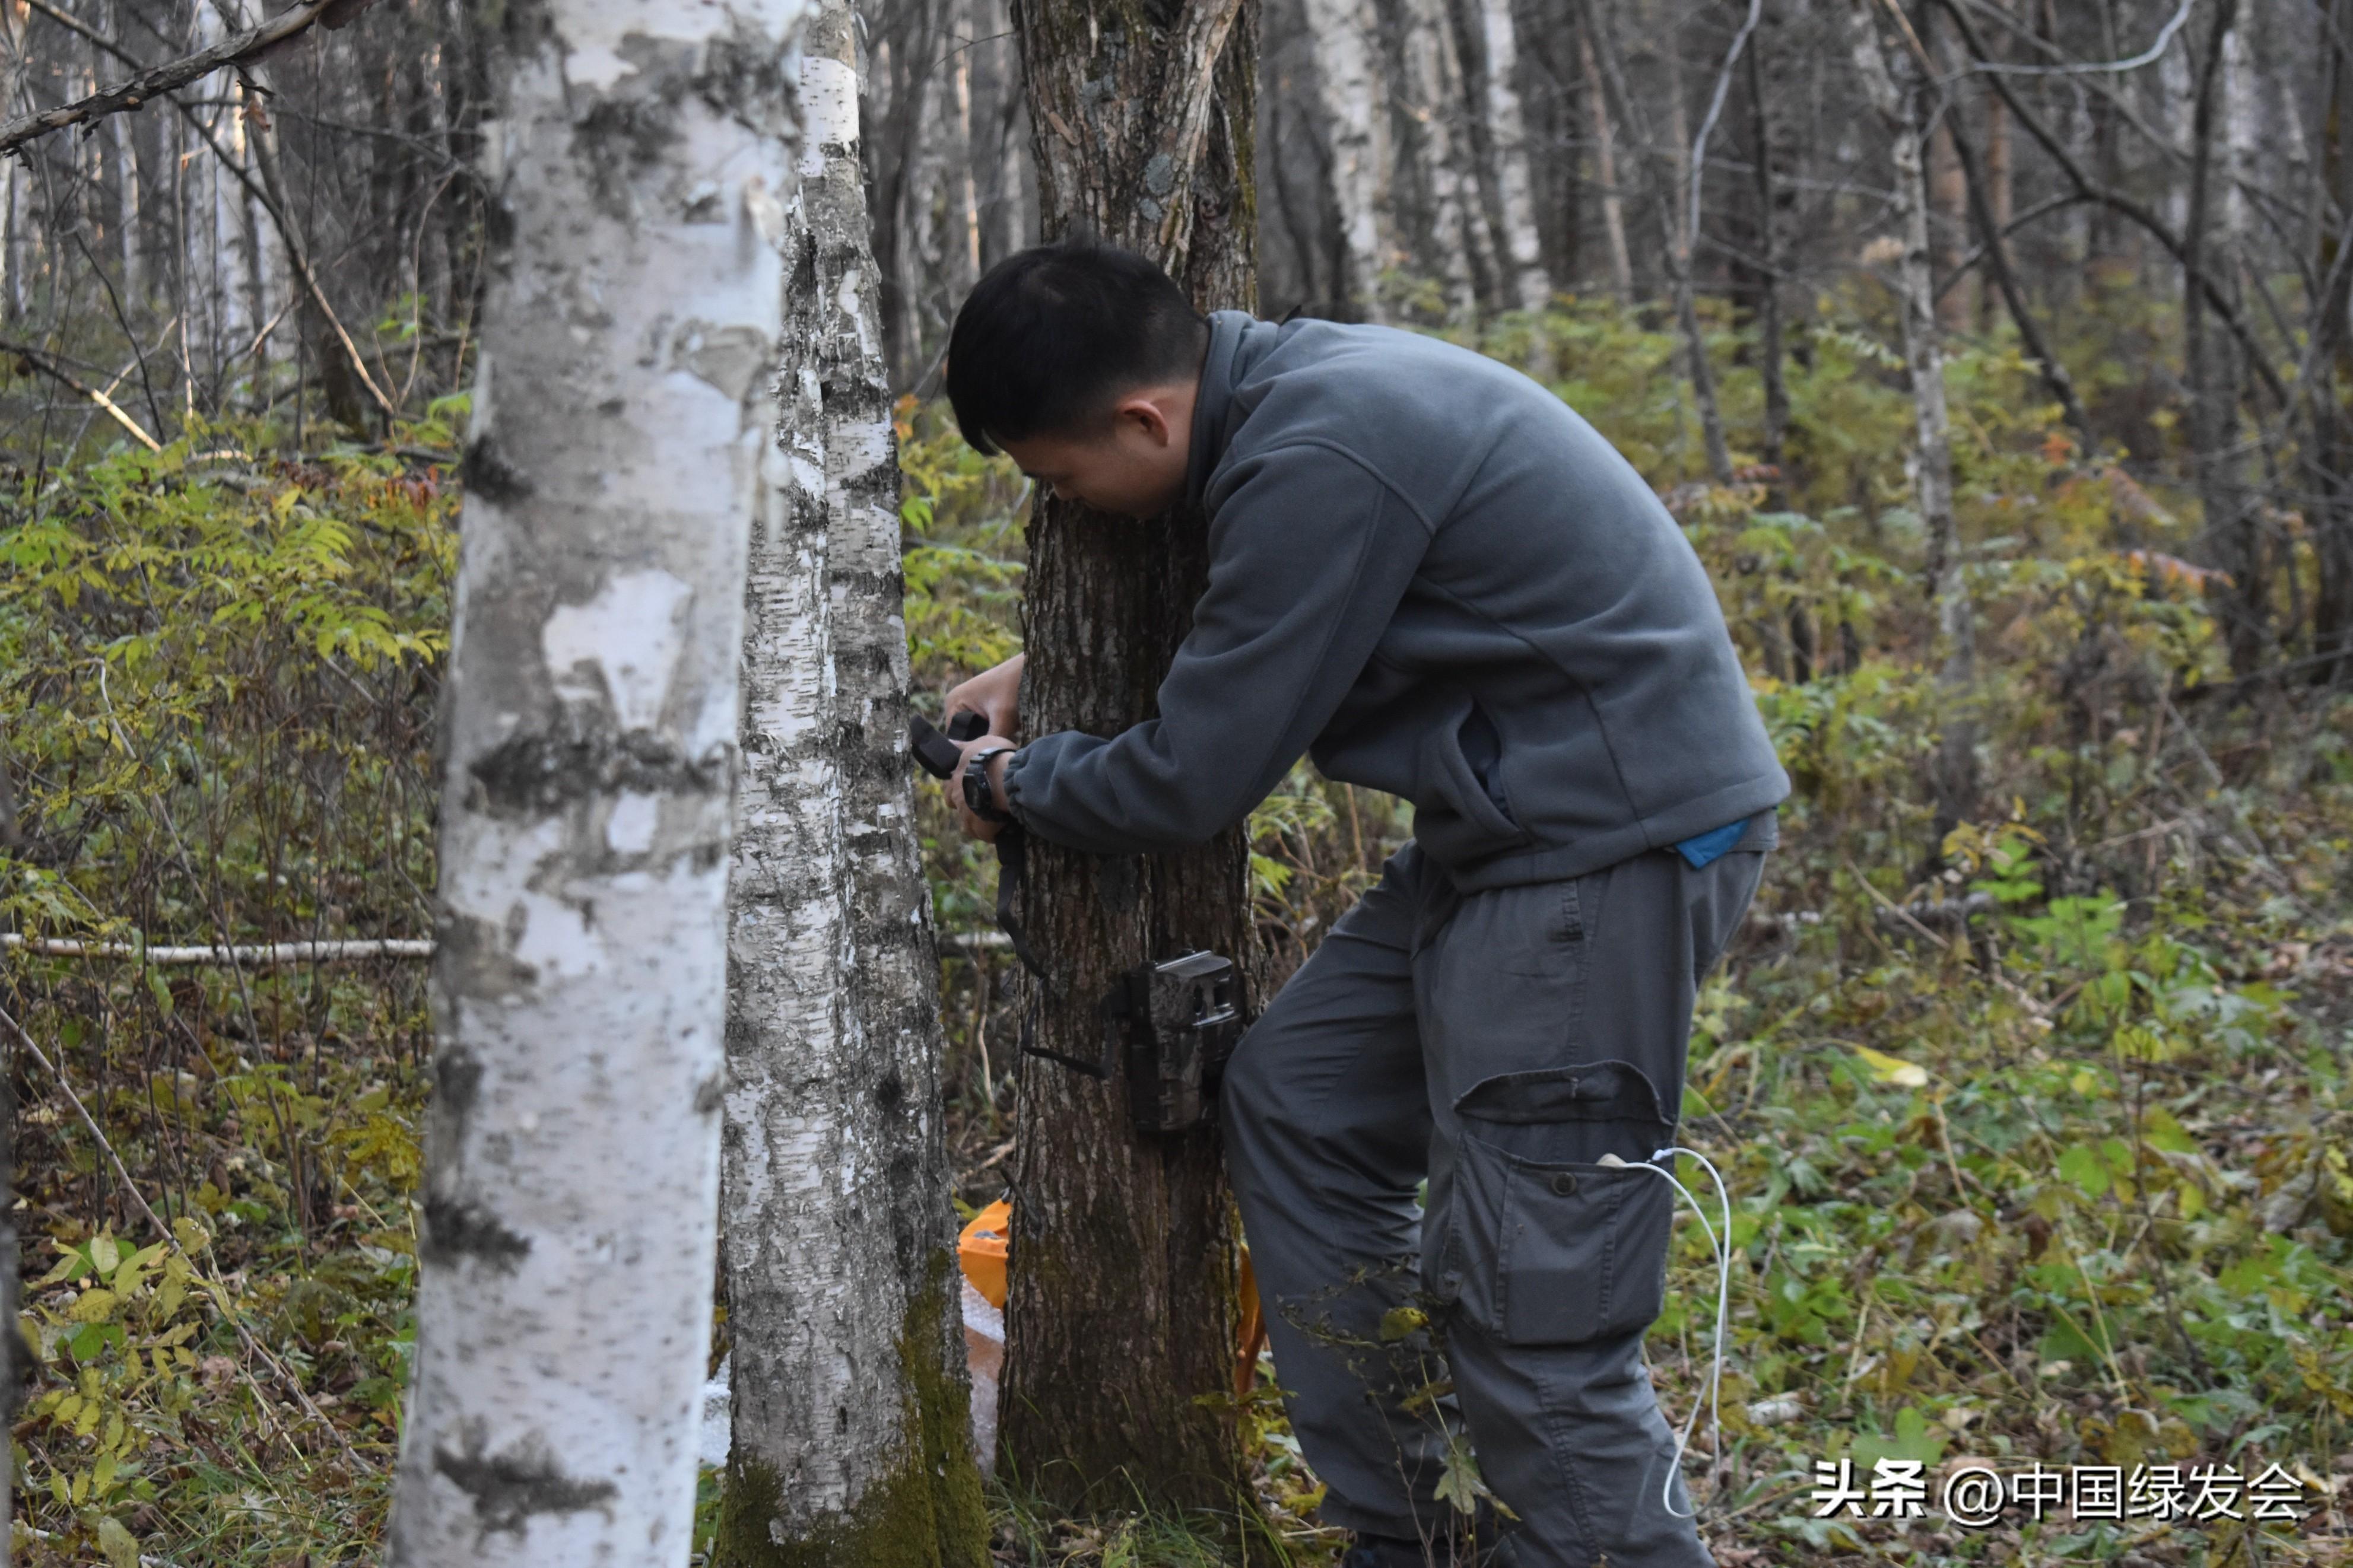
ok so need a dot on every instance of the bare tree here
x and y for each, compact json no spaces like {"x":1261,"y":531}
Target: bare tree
{"x":848,"y":1395}
{"x":1889,"y":59}
{"x":620,"y":413}
{"x":1351,"y":94}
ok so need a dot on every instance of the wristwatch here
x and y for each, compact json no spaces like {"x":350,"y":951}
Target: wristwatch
{"x":979,"y":793}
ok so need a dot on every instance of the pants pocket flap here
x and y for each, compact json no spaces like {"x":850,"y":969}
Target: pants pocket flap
{"x":1596,"y":1091}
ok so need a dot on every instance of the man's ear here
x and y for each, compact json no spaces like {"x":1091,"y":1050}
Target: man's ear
{"x":1142,"y":412}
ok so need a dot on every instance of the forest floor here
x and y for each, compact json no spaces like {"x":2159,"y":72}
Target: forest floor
{"x":2036,"y":1133}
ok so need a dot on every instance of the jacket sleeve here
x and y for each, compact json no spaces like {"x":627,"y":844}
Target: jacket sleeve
{"x":1309,"y":557}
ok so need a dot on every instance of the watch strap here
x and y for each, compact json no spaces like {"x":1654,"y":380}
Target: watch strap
{"x":980,"y":790}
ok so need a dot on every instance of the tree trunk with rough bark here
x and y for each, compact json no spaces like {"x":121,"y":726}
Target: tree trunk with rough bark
{"x":621,"y":413}
{"x":1431,"y":194}
{"x":1119,"y":1365}
{"x":1605,"y":169}
{"x":852,"y":1442}
{"x":2212,"y":370}
{"x":1353,"y":97}
{"x":2329,"y":463}
{"x":1518,"y":251}
{"x":1892,"y":79}
{"x":1674,"y":246}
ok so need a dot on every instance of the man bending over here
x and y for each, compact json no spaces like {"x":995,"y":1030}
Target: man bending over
{"x":1435,"y":579}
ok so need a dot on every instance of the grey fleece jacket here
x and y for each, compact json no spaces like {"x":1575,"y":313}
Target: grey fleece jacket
{"x":1430,"y":574}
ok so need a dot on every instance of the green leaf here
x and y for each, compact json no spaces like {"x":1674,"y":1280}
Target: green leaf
{"x":121,"y":1548}
{"x":2085,"y":1169}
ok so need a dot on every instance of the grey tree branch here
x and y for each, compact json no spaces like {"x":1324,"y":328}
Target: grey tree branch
{"x":57,"y":372}
{"x":261,"y":954}
{"x":2125,"y":207}
{"x":334,"y":15}
{"x":239,"y":49}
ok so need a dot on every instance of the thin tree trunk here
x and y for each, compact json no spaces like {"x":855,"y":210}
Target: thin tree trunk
{"x":1519,"y":248}
{"x":2330,"y":462}
{"x":1765,"y":55}
{"x":1894,"y":81}
{"x":1355,"y":110}
{"x":1674,"y":246}
{"x":2211,"y":375}
{"x":1977,"y":184}
{"x":965,"y":189}
{"x":589,"y":735}
{"x":1119,"y":1365}
{"x":12,"y":1343}
{"x":1430,"y":78}
{"x":1949,"y":222}
{"x":2000,"y":179}
{"x":851,"y":1407}
{"x":1605,"y":168}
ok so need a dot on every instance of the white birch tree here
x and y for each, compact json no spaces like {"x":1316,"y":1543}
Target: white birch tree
{"x":1526,"y":284}
{"x":1351,"y":94}
{"x":850,"y":1409}
{"x":1891,"y":80}
{"x":620,"y":415}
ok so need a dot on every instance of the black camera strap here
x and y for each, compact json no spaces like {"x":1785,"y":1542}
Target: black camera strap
{"x":1012,"y":866}
{"x":937,"y":755}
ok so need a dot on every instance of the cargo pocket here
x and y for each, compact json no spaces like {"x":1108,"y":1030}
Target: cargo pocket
{"x":1544,"y":1244}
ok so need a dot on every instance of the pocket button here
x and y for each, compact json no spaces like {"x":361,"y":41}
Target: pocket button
{"x":1564,"y":1184}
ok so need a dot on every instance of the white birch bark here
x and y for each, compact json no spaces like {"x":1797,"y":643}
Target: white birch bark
{"x":966,"y":188}
{"x":1605,"y":169}
{"x":848,"y":1404}
{"x":621,"y":420}
{"x":1432,"y":82}
{"x":1924,"y":348}
{"x":1355,"y":111}
{"x":1891,"y":83}
{"x":1520,"y":250}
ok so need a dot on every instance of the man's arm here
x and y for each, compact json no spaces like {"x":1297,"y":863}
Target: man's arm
{"x":1309,"y":557}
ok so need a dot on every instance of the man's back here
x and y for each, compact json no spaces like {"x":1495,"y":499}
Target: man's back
{"x":1431,"y":570}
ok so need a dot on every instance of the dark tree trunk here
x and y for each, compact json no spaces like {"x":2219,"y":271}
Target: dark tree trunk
{"x":1121,"y":1320}
{"x":1767,"y":58}
{"x":2331,"y":461}
{"x":2211,"y":369}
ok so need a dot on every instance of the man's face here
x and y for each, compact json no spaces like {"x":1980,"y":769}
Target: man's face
{"x":1135,"y":466}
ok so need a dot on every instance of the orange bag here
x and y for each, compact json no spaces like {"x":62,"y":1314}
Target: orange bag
{"x":980,"y":1249}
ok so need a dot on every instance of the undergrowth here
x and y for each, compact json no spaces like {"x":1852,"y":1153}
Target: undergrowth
{"x":2035,"y":1128}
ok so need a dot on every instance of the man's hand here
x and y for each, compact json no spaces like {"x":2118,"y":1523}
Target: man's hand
{"x":972,"y":824}
{"x":996,"y":695}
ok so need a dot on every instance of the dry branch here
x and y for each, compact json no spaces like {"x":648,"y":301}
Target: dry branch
{"x":237,"y":49}
{"x":263,"y":954}
{"x":55,"y":372}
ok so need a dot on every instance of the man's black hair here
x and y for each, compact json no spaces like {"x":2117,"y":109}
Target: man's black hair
{"x":1054,"y":333}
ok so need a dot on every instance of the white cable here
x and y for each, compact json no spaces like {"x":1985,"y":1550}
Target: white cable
{"x":1722,"y":1247}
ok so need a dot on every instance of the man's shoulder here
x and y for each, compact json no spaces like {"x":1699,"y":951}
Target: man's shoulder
{"x":1416,"y":411}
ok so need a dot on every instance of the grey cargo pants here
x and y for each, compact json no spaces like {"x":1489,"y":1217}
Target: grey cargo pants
{"x":1498,"y":1042}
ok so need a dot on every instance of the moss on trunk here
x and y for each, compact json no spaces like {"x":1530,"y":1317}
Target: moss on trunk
{"x":926,"y":1510}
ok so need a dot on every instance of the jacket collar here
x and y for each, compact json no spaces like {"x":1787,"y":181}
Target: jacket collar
{"x":1213,"y":400}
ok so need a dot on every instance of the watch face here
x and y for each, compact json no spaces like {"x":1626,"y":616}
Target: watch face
{"x":979,"y":793}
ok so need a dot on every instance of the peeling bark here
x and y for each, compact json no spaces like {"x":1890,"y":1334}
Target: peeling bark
{"x":1119,"y":1368}
{"x":589,"y":728}
{"x":852,"y":1442}
{"x":1351,"y":94}
{"x":1892,"y":79}
{"x":1519,"y":252}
